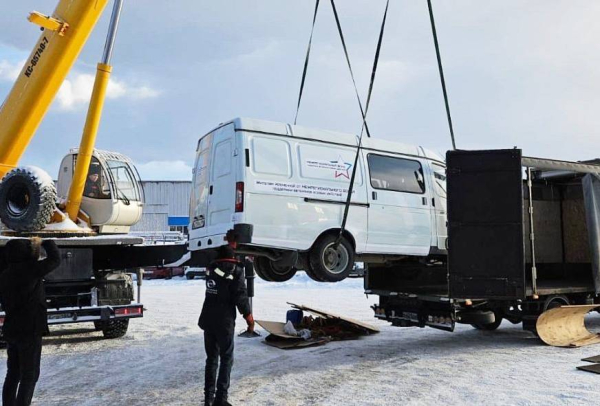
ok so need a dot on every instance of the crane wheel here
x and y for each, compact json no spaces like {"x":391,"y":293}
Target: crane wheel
{"x":27,"y":199}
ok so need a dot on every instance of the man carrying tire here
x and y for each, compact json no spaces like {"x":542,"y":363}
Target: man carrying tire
{"x":24,"y":302}
{"x":225,"y":290}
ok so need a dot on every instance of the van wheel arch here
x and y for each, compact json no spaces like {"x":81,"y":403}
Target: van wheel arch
{"x":336,"y":232}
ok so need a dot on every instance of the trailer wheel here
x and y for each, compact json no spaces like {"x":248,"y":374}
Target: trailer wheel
{"x":329,"y":262}
{"x":271,"y":272}
{"x":27,"y":199}
{"x":115,"y":328}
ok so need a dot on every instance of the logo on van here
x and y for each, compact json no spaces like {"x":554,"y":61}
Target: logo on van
{"x":339,"y":167}
{"x":342,"y":168}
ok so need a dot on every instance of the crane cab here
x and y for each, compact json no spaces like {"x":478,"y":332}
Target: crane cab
{"x":113,"y":197}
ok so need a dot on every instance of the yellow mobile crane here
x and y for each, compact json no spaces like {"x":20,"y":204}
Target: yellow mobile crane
{"x":92,"y":283}
{"x":27,"y":199}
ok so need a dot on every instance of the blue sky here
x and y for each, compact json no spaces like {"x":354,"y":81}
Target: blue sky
{"x":519,"y":74}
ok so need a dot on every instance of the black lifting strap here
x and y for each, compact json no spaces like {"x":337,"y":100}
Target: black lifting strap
{"x":364,"y":126}
{"x":441,"y":69}
{"x":360,"y":105}
{"x":306,"y":61}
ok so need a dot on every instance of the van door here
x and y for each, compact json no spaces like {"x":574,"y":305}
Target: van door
{"x":200,"y":188}
{"x":440,"y":203}
{"x":221,"y":190}
{"x":399,"y":213}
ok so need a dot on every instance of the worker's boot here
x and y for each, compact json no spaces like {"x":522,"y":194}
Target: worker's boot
{"x":209,"y":400}
{"x":221,"y":402}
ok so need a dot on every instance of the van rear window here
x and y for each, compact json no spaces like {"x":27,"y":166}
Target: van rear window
{"x":396,"y":174}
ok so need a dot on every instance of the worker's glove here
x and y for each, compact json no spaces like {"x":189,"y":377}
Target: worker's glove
{"x":250,"y":321}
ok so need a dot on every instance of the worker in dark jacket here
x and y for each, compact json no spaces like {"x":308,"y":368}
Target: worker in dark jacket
{"x":225,"y":290}
{"x":24,"y":302}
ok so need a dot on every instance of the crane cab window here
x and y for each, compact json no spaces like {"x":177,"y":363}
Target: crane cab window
{"x":396,"y":174}
{"x":96,"y":184}
{"x":125,"y":185}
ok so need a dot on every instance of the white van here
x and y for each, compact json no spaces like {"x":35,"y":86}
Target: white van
{"x":283,"y":188}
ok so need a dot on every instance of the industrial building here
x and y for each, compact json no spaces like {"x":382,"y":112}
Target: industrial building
{"x":166,"y":207}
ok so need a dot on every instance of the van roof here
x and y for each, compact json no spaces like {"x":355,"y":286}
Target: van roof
{"x":290,"y":130}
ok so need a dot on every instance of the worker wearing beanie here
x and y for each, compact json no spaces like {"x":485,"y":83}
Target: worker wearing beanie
{"x":24,"y":302}
{"x":225,"y":290}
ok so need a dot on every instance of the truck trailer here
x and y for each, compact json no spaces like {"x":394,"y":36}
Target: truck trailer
{"x":523,"y":238}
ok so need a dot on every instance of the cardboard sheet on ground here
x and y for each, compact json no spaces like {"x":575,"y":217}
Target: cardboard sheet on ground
{"x":340,"y":327}
{"x":329,"y":315}
{"x":280,"y":339}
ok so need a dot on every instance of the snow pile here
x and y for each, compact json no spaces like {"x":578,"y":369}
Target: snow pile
{"x":42,"y":177}
{"x":66,"y":225}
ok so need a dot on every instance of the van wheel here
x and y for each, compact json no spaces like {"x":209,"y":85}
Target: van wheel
{"x":270,"y":271}
{"x":312,"y":275}
{"x":329,"y":262}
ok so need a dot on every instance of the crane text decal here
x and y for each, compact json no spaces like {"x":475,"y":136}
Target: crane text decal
{"x":36,"y":57}
{"x":300,"y":189}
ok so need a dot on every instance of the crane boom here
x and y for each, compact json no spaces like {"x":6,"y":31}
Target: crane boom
{"x":63,"y":37}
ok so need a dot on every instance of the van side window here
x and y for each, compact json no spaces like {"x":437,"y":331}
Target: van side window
{"x":396,"y":174}
{"x":271,"y":157}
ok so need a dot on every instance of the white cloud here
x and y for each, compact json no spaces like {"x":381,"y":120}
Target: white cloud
{"x":165,"y":170}
{"x":77,"y":90}
{"x":10,"y":71}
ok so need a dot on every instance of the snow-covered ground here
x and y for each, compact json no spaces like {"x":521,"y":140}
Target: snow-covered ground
{"x":160,"y":361}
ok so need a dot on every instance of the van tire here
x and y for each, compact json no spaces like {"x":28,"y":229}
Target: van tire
{"x":312,"y":275}
{"x":331,"y":264}
{"x":269,"y":271}
{"x":259,"y":272}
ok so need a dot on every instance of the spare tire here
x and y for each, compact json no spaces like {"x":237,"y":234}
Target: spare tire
{"x":27,"y":199}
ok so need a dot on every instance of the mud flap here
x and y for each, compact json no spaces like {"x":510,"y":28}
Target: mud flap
{"x":565,"y":327}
